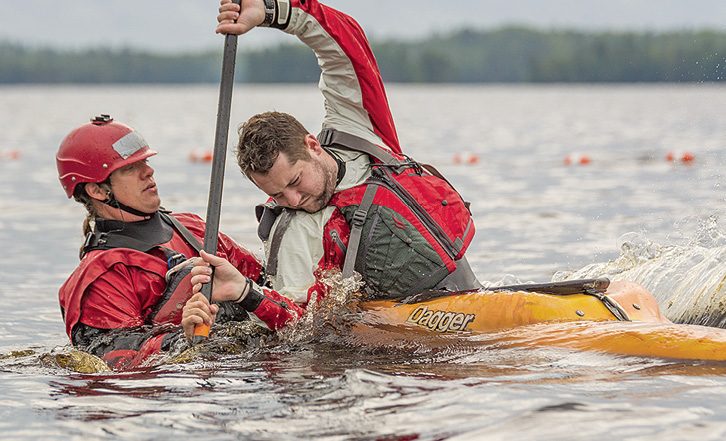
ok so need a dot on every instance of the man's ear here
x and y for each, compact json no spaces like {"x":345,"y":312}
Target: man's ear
{"x":97,"y":192}
{"x":313,"y":145}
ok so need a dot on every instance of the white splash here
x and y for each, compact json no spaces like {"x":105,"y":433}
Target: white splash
{"x":328,"y":314}
{"x":689,"y":281}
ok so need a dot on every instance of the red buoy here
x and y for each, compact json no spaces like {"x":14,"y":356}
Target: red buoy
{"x":577,"y":159}
{"x":10,"y":155}
{"x":465,"y":158}
{"x":201,"y":155}
{"x":680,"y":155}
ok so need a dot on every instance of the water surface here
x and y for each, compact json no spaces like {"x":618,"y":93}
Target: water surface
{"x":628,"y":214}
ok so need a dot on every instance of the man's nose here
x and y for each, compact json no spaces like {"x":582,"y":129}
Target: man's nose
{"x":293,"y":198}
{"x":147,"y":170}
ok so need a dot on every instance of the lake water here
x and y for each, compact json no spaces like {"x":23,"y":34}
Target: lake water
{"x":629,"y":214}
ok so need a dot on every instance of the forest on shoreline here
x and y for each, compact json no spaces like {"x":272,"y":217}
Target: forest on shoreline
{"x":503,"y":55}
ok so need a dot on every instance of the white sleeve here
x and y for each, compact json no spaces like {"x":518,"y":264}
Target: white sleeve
{"x":355,"y":100}
{"x":301,"y":250}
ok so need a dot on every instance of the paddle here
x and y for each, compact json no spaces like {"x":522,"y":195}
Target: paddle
{"x":214,"y":206}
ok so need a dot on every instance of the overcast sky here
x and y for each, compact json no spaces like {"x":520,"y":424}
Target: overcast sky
{"x":188,"y":24}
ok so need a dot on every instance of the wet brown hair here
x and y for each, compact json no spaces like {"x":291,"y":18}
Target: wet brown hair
{"x":80,"y":195}
{"x":264,"y":136}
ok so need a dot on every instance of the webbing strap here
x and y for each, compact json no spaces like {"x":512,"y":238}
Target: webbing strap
{"x":329,"y":137}
{"x":282,"y":223}
{"x":183,"y":231}
{"x":266,"y":215}
{"x":459,"y":242}
{"x":356,"y":229}
{"x":610,"y":303}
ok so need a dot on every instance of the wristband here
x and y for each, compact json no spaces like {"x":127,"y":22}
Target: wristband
{"x":270,"y":8}
{"x":253,"y":298}
{"x":245,"y":291}
{"x":277,"y":13}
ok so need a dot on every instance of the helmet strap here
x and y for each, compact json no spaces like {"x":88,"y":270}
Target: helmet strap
{"x":111,"y":201}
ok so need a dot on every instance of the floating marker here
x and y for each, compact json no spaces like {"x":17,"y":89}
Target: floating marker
{"x":466,"y":158}
{"x":680,"y":155}
{"x":10,"y":155}
{"x":201,"y":155}
{"x":577,"y":159}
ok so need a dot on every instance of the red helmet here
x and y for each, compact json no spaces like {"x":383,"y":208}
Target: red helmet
{"x":94,"y":150}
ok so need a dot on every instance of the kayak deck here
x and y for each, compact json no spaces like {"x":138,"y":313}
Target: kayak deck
{"x":578,"y":321}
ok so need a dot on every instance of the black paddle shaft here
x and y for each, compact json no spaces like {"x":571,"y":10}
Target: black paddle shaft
{"x":214,"y":205}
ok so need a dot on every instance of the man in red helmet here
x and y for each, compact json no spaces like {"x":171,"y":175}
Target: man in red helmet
{"x":128,"y":298}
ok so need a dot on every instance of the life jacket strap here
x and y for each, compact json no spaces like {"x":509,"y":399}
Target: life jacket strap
{"x":183,"y":231}
{"x":335,"y":138}
{"x":332,"y":137}
{"x":356,"y":229}
{"x":266,"y":214}
{"x":284,"y":221}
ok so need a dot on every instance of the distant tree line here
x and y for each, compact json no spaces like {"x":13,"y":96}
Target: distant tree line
{"x":510,"y":54}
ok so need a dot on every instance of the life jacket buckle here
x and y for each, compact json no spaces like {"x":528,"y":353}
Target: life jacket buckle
{"x":102,"y":239}
{"x":175,"y":260}
{"x":359,"y":217}
{"x":86,"y":244}
{"x":89,"y":239}
{"x":326,"y":137}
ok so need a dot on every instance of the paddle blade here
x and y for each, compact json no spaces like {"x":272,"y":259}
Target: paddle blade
{"x":201,"y":332}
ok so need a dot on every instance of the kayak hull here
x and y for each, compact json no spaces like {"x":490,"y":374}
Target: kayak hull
{"x":577,"y":321}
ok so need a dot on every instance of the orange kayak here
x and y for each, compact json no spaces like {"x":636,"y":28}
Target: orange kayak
{"x":619,"y":318}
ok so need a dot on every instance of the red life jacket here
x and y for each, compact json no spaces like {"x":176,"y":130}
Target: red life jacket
{"x":409,"y":226}
{"x":92,"y":266}
{"x":97,"y":259}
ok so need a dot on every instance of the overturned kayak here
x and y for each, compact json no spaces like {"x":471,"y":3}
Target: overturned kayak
{"x":619,"y":318}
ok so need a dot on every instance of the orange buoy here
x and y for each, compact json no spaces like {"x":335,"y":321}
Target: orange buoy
{"x":577,"y":159}
{"x":680,"y":155}
{"x":466,"y":158}
{"x":201,"y":155}
{"x":10,"y":155}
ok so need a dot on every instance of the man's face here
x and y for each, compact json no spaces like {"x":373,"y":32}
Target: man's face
{"x":306,"y":185}
{"x":134,"y":186}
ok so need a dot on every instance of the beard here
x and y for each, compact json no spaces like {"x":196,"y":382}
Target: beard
{"x":329,"y":181}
